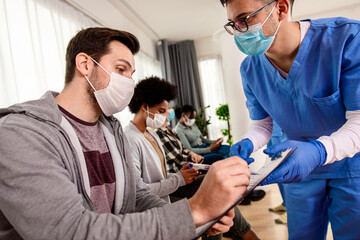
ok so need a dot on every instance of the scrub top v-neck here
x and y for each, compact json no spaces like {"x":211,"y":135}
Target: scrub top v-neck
{"x":312,"y":100}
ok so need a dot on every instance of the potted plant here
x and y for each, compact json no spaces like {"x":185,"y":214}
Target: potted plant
{"x":201,"y":121}
{"x":223,"y":113}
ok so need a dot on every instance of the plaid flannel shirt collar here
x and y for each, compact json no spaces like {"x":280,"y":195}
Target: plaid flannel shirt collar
{"x":176,"y":155}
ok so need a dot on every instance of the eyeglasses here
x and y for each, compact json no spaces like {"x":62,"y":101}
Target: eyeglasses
{"x":241,"y":24}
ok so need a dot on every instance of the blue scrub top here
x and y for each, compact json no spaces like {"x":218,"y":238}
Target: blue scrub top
{"x":323,"y":83}
{"x":277,"y":136}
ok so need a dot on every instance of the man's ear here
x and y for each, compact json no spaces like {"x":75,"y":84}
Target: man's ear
{"x":144,"y":107}
{"x":84,"y":64}
{"x":283,"y":9}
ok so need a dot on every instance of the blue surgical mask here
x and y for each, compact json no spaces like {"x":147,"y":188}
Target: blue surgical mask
{"x":253,"y":42}
{"x":171,"y":116}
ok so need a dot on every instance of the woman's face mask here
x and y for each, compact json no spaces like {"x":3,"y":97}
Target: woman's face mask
{"x":117,"y":95}
{"x":158,"y":120}
{"x":188,"y":121}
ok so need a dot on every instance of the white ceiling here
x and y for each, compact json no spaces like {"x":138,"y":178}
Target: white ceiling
{"x":177,"y":20}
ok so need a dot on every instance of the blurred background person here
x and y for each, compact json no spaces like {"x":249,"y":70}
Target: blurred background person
{"x":192,"y":139}
{"x":150,"y":104}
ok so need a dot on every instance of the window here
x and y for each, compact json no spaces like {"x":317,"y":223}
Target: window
{"x":213,"y":93}
{"x":33,"y":43}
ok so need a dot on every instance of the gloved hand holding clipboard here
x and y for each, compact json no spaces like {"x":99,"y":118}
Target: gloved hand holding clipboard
{"x":256,"y":178}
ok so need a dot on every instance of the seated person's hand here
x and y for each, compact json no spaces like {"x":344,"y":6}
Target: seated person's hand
{"x":196,"y":158}
{"x":223,"y":184}
{"x":220,"y":140}
{"x":224,"y":225}
{"x":243,"y":149}
{"x":214,"y":145}
{"x":189,"y":174}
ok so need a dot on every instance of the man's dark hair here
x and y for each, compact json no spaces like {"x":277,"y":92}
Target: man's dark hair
{"x":95,"y":42}
{"x":184,"y":109}
{"x":152,"y":91}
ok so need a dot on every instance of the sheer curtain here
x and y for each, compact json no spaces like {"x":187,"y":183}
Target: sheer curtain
{"x":213,"y":93}
{"x":185,"y":73}
{"x":33,"y":40}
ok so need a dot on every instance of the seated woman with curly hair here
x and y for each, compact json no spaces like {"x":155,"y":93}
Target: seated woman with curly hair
{"x":150,"y":104}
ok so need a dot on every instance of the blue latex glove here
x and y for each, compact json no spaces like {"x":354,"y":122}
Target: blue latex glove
{"x":243,"y":149}
{"x":306,"y":157}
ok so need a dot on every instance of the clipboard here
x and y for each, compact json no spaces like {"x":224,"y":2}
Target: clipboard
{"x":256,"y":178}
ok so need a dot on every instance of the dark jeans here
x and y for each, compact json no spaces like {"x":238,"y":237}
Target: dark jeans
{"x":188,"y":190}
{"x":220,"y":153}
{"x":240,"y":227}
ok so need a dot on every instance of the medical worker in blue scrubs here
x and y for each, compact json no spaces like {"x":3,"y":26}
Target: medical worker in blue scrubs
{"x":306,"y":77}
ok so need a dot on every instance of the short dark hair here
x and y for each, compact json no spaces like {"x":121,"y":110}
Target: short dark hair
{"x":223,"y":2}
{"x":95,"y":42}
{"x":152,"y":91}
{"x":184,"y":109}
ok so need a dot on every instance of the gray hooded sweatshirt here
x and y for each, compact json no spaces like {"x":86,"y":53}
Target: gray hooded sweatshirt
{"x":43,"y":189}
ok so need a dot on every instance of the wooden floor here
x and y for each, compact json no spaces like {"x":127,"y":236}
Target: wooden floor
{"x":262,"y":221}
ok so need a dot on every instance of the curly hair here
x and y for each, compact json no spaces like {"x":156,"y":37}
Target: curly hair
{"x":152,"y":91}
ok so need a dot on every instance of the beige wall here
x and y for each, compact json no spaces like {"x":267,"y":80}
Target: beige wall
{"x":111,"y":14}
{"x":206,"y":47}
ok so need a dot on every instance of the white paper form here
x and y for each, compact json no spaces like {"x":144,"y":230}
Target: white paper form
{"x":269,"y":166}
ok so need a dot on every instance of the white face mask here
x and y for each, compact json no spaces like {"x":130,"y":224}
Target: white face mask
{"x":189,"y":122}
{"x":117,"y":95}
{"x":158,"y":120}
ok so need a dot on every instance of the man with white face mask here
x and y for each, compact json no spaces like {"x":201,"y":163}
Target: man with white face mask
{"x":66,"y":168}
{"x":305,"y":76}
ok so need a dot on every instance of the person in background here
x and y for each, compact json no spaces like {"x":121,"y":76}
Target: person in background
{"x":304,"y":75}
{"x":176,"y":154}
{"x":192,"y":139}
{"x":212,"y":151}
{"x":151,"y":107}
{"x":279,"y":136}
{"x":66,"y":168}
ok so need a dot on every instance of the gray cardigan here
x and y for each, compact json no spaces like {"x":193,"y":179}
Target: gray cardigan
{"x":148,"y":166}
{"x":190,"y":138}
{"x":43,"y":189}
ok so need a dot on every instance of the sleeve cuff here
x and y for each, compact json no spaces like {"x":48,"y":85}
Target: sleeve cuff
{"x":181,"y":179}
{"x":178,"y":220}
{"x":329,"y":146}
